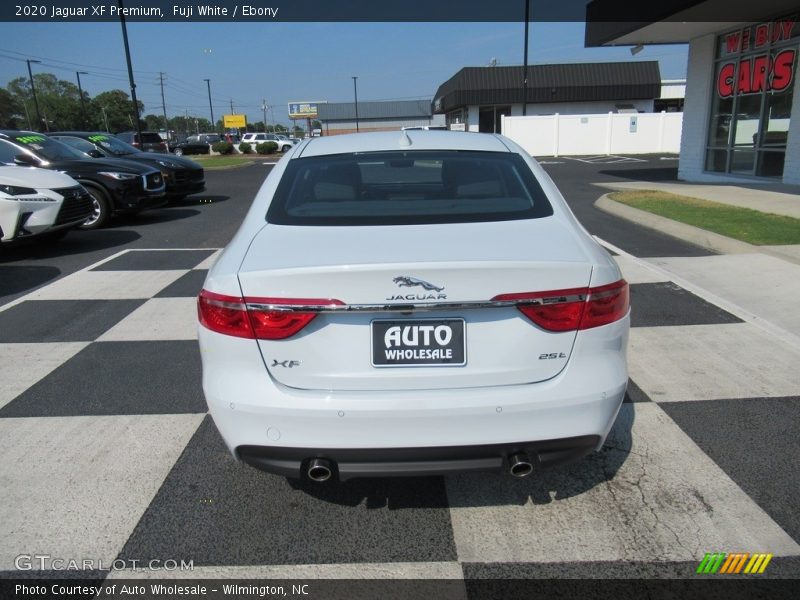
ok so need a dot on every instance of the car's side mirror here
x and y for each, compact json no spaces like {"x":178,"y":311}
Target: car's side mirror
{"x":95,"y":154}
{"x":25,"y":160}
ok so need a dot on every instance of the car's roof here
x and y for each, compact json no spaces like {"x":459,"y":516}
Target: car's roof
{"x":399,"y":140}
{"x":80,"y":133}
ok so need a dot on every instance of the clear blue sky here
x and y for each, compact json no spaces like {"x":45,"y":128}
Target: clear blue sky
{"x":285,"y":62}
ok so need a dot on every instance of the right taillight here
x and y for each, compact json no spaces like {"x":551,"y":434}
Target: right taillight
{"x":573,"y":309}
{"x":257,"y":318}
{"x":606,"y":304}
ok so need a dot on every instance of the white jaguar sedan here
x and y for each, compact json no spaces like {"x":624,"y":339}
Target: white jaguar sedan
{"x":412,"y":303}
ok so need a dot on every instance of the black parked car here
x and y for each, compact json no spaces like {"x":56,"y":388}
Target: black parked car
{"x":197,"y":144}
{"x":149,"y":141}
{"x":116,"y":186}
{"x":182,"y":175}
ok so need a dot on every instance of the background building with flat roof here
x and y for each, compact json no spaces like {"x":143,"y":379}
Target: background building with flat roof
{"x":340,"y":117}
{"x":478,"y":97}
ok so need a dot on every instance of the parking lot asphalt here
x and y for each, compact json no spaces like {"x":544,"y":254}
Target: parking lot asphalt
{"x":106,"y":449}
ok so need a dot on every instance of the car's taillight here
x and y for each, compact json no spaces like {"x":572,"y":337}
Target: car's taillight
{"x":256,"y":318}
{"x":224,"y":314}
{"x":572,"y":309}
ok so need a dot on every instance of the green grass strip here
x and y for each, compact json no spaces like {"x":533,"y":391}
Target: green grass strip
{"x":211,"y":162}
{"x":745,"y":224}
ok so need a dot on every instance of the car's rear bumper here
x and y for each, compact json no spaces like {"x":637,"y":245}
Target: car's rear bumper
{"x":349,"y":463}
{"x":277,"y":428}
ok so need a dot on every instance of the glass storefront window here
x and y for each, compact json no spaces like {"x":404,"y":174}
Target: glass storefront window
{"x":754,"y":78}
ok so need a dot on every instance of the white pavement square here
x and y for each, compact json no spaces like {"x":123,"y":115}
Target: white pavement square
{"x":22,"y":365}
{"x":75,"y":487}
{"x":707,"y":362}
{"x":667,"y":501}
{"x":209,"y":262}
{"x":107,"y":285}
{"x":157,"y":319}
{"x":763,"y":285}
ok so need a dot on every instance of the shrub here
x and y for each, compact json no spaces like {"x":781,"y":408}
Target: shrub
{"x":245,"y":148}
{"x":267,"y":148}
{"x":222,"y":147}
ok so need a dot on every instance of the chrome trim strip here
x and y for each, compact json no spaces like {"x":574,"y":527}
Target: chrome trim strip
{"x":413,"y":307}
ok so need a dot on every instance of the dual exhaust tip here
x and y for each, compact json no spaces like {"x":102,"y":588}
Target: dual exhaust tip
{"x":320,"y":470}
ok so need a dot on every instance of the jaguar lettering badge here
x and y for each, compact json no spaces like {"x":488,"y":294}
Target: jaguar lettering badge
{"x":406,"y":281}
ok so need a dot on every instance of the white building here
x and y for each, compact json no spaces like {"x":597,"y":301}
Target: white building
{"x":741,"y":83}
{"x":476,"y":98}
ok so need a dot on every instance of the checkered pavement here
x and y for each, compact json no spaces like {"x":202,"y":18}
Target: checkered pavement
{"x":106,"y":452}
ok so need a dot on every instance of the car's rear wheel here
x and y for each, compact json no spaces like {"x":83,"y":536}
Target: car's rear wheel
{"x":178,"y":151}
{"x":285,"y":148}
{"x":101,"y":208}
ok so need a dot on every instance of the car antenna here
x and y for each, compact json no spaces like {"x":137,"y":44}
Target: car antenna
{"x":404,"y":139}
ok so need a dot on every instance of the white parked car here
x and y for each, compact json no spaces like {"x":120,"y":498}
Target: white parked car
{"x":284,"y":143}
{"x":40,"y":201}
{"x":412,"y":303}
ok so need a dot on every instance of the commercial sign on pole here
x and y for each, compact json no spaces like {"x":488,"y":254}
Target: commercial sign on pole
{"x":234,"y":121}
{"x":304,"y":110}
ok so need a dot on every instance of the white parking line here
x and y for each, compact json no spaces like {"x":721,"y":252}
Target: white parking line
{"x":601,"y":159}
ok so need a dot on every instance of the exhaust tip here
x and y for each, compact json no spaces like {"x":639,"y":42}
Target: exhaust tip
{"x":319,"y":470}
{"x":520,"y":465}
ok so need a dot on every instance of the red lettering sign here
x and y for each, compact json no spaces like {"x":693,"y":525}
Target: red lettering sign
{"x":762,"y":35}
{"x":756,"y":74}
{"x":782,"y":70}
{"x":732,"y":42}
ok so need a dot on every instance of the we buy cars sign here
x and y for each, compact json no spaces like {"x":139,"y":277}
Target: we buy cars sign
{"x":770,"y":71}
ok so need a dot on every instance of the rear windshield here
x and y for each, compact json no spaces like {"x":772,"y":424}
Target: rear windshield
{"x":151,"y":138}
{"x":407,"y":187}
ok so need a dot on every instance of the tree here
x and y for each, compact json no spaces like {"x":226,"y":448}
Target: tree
{"x":59,"y":101}
{"x":9,"y":111}
{"x":118,"y":111}
{"x":154,"y":122}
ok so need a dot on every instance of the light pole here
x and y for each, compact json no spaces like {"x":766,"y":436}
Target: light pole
{"x":210,"y":106}
{"x":33,"y":91}
{"x":138,"y":125}
{"x":264,"y":108}
{"x":525,"y":61}
{"x":355,"y":93}
{"x":83,"y":102}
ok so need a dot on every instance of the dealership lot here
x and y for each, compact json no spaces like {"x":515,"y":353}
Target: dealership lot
{"x":107,"y":451}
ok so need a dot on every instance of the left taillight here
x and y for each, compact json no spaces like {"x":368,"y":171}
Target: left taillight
{"x":257,"y":318}
{"x":573,"y":309}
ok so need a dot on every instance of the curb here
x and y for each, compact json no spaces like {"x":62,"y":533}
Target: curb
{"x":688,"y":233}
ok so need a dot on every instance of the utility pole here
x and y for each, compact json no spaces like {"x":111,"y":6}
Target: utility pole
{"x":355,"y":93}
{"x":27,"y":116}
{"x":525,"y":62}
{"x":105,"y":117}
{"x":264,"y":108}
{"x":210,"y":106}
{"x":33,"y":91}
{"x":138,"y":125}
{"x":83,"y":101}
{"x":163,"y":103}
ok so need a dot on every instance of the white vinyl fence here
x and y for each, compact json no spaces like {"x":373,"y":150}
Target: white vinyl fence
{"x":612,"y":133}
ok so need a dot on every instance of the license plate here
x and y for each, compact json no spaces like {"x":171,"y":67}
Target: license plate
{"x":428,"y":342}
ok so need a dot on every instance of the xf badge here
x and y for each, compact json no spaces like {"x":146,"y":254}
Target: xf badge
{"x":285,"y":363}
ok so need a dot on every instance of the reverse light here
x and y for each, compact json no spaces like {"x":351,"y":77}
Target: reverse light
{"x":257,"y":318}
{"x":573,"y":309}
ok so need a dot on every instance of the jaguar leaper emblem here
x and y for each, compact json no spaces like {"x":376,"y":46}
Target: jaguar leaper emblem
{"x":406,"y":281}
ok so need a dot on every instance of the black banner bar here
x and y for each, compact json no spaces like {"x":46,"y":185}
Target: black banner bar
{"x":244,"y":11}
